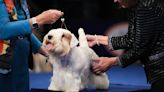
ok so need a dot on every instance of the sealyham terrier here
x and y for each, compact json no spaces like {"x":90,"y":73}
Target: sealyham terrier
{"x":71,"y":63}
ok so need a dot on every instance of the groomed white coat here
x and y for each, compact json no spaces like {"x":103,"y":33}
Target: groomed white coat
{"x":71,"y":63}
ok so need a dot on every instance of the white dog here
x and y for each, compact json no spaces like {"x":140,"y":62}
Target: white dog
{"x":71,"y":63}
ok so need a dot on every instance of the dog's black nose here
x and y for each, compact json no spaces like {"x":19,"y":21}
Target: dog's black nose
{"x":49,"y":37}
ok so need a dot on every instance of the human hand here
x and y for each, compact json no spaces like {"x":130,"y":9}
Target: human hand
{"x":97,"y":39}
{"x":102,"y":64}
{"x":49,"y":16}
{"x":43,"y":51}
{"x":91,"y":40}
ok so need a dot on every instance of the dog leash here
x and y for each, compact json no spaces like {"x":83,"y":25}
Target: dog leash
{"x":63,"y":25}
{"x":47,"y":58}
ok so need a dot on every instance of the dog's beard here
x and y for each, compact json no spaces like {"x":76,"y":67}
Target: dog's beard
{"x":59,"y":50}
{"x":56,"y":50}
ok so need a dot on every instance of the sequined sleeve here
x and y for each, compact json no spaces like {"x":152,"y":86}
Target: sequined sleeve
{"x":124,"y":41}
{"x":148,"y":25}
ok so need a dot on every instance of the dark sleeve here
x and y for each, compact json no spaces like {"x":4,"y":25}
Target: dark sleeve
{"x":148,"y":27}
{"x":120,"y":42}
{"x":123,"y":41}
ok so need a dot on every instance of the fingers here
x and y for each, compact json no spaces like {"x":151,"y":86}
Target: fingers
{"x":97,"y":69}
{"x":55,"y":14}
{"x":91,"y":40}
{"x":90,"y":37}
{"x":96,"y":66}
{"x":96,"y":61}
{"x":58,"y":13}
{"x":43,"y":51}
{"x":49,"y":16}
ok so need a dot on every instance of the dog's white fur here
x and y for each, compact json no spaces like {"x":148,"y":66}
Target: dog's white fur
{"x":71,"y":63}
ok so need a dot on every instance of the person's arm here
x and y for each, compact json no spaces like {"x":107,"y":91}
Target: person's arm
{"x":37,"y":46}
{"x":12,"y":29}
{"x":35,"y":43}
{"x":148,"y":27}
{"x":120,"y":42}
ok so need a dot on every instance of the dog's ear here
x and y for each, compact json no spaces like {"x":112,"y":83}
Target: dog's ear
{"x":74,"y":41}
{"x":67,"y":36}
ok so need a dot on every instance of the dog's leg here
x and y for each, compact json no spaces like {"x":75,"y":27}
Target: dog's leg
{"x":72,"y":90}
{"x":100,"y":81}
{"x":82,"y":38}
{"x":73,"y":83}
{"x":53,"y":85}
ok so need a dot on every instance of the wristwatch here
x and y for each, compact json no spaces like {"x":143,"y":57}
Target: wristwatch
{"x":35,"y":25}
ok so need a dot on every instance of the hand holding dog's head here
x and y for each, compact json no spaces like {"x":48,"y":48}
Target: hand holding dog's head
{"x":59,"y":41}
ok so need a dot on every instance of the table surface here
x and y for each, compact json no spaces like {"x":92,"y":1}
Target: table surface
{"x":130,"y":79}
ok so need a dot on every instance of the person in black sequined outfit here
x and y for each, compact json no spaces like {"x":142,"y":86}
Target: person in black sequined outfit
{"x":144,"y":41}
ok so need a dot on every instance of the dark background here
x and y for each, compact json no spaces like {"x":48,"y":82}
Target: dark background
{"x":95,"y":16}
{"x":83,"y":9}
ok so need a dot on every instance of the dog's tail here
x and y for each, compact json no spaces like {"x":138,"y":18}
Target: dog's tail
{"x":82,"y":38}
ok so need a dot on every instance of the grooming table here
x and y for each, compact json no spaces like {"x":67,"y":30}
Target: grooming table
{"x":130,"y":79}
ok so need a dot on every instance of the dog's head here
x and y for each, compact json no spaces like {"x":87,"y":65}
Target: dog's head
{"x":59,"y":41}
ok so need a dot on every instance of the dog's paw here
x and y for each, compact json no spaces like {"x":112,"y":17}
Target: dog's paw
{"x":53,"y":87}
